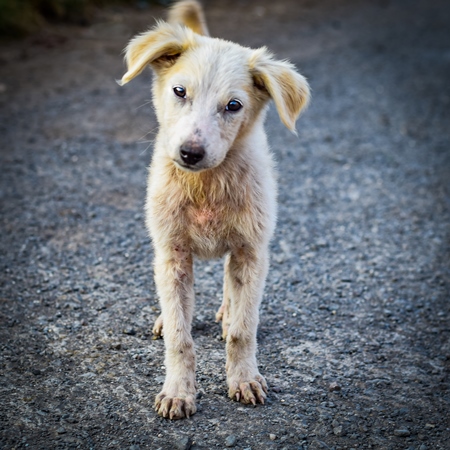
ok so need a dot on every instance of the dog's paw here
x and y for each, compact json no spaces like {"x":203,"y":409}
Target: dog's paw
{"x":248,"y":391}
{"x":158,"y":327}
{"x":175,"y":407}
{"x":221,"y":315}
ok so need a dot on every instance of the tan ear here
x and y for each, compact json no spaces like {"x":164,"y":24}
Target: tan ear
{"x":160,"y":47}
{"x":288,"y":89}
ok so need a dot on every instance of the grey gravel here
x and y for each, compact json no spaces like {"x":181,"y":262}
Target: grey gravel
{"x":358,"y":288}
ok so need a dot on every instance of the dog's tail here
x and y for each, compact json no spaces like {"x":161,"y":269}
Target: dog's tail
{"x":190,"y":14}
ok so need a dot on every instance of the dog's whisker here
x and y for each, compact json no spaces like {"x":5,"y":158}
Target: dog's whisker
{"x":144,"y":104}
{"x":146,"y":148}
{"x":152,"y":131}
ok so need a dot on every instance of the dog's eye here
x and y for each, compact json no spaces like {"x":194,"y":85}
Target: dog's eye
{"x":180,"y":91}
{"x":233,"y":105}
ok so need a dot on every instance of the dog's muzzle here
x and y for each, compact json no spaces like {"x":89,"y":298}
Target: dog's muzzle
{"x":191,"y":153}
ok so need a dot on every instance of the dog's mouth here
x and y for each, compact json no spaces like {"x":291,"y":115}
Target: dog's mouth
{"x":187,"y":167}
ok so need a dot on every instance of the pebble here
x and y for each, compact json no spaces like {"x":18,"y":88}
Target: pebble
{"x":61,"y":430}
{"x":334,"y":387}
{"x":402,"y":432}
{"x":272,"y":437}
{"x":339,"y":431}
{"x":230,"y":441}
{"x":129,"y":331}
{"x":183,"y":443}
{"x":69,"y":419}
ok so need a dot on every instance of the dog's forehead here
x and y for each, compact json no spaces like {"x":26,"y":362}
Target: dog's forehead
{"x":216,"y":65}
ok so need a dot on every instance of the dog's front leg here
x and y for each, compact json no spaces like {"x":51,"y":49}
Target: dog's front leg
{"x":246,"y":271}
{"x":174,"y":281}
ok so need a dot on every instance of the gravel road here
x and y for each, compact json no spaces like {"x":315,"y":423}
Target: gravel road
{"x":354,"y":332}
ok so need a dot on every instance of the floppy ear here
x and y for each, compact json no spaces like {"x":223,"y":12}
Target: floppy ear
{"x":280,"y":80}
{"x":160,"y":47}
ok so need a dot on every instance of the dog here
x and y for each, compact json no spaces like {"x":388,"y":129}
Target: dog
{"x":211,"y":188}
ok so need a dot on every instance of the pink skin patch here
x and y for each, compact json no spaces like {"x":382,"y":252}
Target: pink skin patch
{"x":204,"y":216}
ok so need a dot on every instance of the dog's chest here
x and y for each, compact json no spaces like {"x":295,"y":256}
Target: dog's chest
{"x":211,"y":229}
{"x":212,"y":213}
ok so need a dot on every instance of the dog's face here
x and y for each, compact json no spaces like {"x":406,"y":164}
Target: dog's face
{"x":203,"y":102}
{"x":209,"y":92}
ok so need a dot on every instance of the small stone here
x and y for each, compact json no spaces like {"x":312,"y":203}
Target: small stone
{"x":61,"y":430}
{"x":183,"y":443}
{"x":402,"y":432}
{"x":116,"y":345}
{"x":88,"y":375}
{"x":423,"y":447}
{"x":430,"y":426}
{"x":69,"y":419}
{"x":130,"y":331}
{"x":276,"y":389}
{"x":334,"y":387}
{"x":230,"y":441}
{"x":36,"y":372}
{"x":339,"y":431}
{"x":272,"y":437}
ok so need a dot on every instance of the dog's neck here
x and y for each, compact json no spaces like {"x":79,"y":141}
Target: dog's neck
{"x":208,"y":185}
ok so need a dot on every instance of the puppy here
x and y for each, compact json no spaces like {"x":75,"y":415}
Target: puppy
{"x":211,"y":188}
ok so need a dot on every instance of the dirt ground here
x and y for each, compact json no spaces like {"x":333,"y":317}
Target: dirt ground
{"x":354,"y":332}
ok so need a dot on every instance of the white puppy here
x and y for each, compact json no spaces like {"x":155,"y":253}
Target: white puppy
{"x":211,"y":188}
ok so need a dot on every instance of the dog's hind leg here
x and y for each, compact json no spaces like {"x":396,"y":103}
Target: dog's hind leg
{"x":174,"y":281}
{"x":247,"y":271}
{"x":223,"y":312}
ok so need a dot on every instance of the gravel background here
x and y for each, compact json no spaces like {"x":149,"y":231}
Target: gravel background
{"x":354,"y":334}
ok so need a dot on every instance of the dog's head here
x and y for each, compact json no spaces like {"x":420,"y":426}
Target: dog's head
{"x":209,"y":93}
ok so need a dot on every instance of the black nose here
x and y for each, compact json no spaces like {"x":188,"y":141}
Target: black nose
{"x":191,"y":154}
